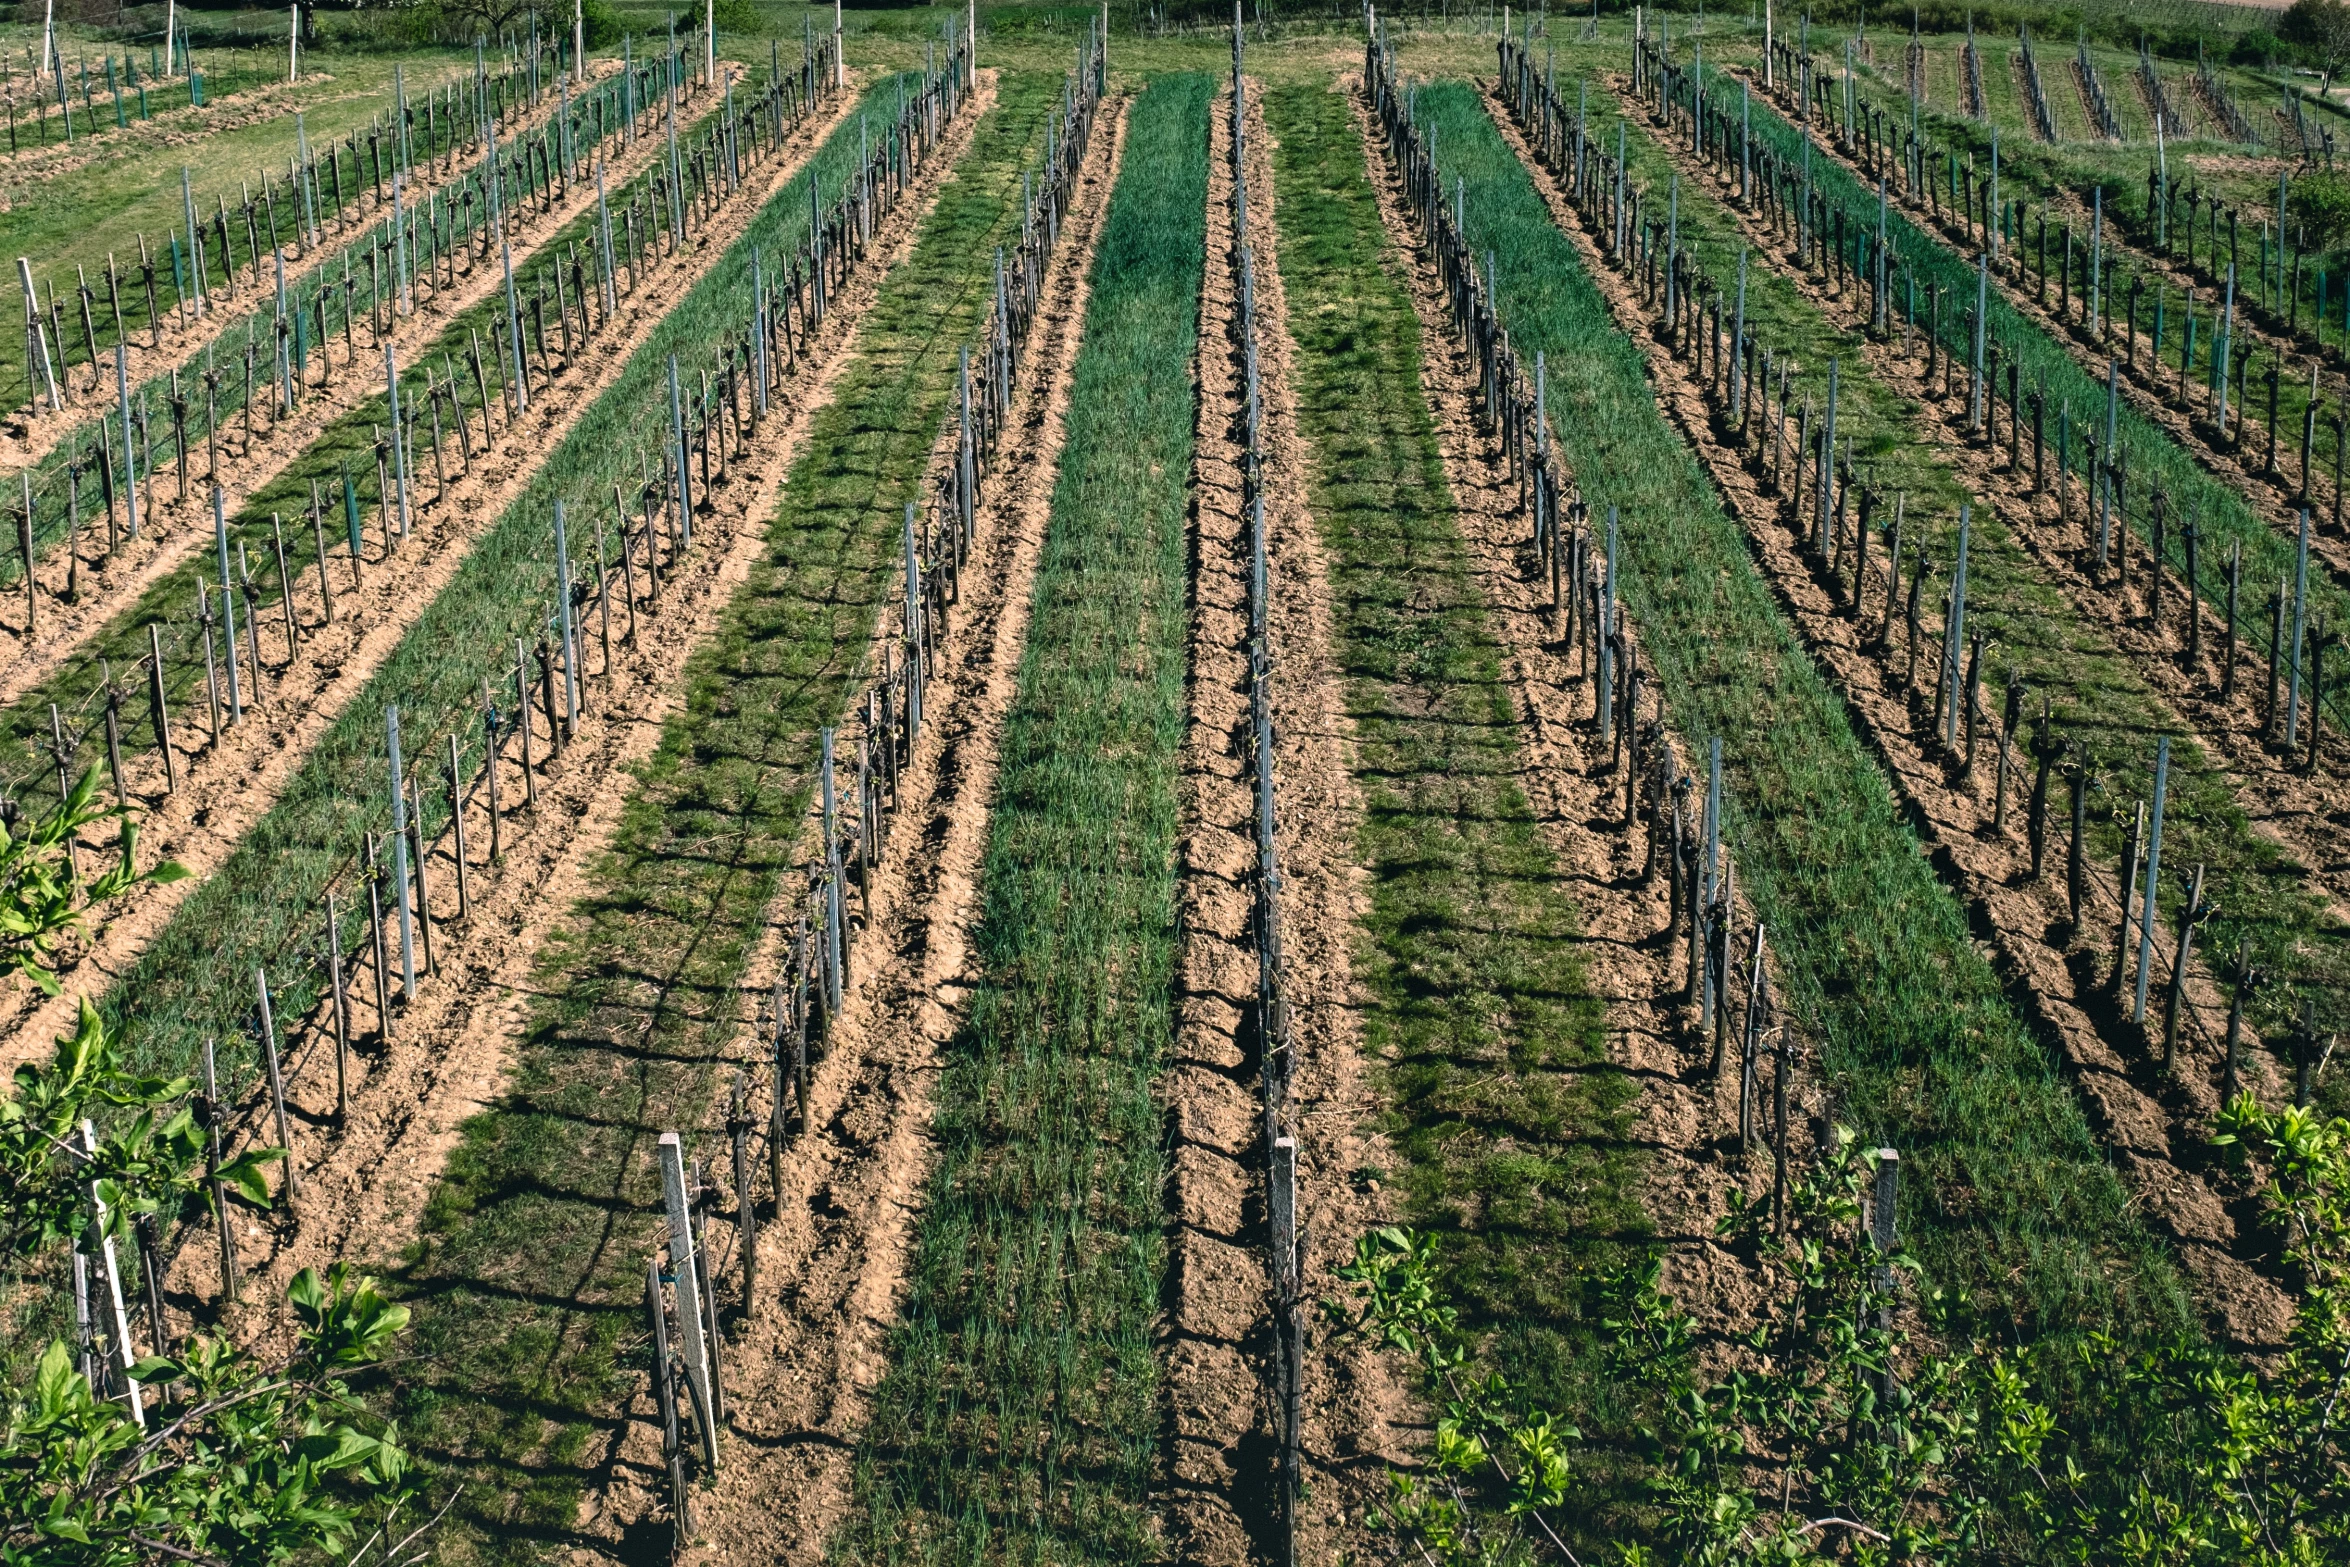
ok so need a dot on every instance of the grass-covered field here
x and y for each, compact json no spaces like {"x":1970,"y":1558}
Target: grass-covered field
{"x":2038,"y":630}
{"x":1487,"y":1031}
{"x":2299,"y":942}
{"x":1485,"y":1022}
{"x":1019,"y":1418}
{"x":2016,"y":1202}
{"x":527,"y":1281}
{"x":344,"y":449}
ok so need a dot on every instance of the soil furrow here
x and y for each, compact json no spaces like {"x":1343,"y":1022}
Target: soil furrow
{"x":1216,"y":1340}
{"x":2130,"y":1101}
{"x":231,"y":784}
{"x":182,"y":525}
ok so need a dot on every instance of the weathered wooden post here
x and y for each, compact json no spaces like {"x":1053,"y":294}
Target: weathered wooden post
{"x":689,"y":1292}
{"x":277,"y":1082}
{"x":746,"y":1207}
{"x":665,"y":1394}
{"x":342,"y":1013}
{"x":214,"y":1113}
{"x":400,"y":856}
{"x":2146,"y":909}
{"x":2194,"y":914}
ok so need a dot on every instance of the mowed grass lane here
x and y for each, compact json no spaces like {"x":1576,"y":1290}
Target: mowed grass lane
{"x":1508,"y":1116}
{"x":2297,"y":943}
{"x":2036,"y":629}
{"x":1019,"y":1419}
{"x":528,"y":1280}
{"x":2010,"y":1197}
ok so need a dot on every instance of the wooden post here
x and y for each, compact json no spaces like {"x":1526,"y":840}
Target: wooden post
{"x":689,"y":1294}
{"x":2247,"y":981}
{"x":489,"y":764}
{"x":379,"y":950}
{"x":2192,"y":916}
{"x":156,"y":709}
{"x":214,"y":1113}
{"x":714,"y":1341}
{"x":326,"y":592}
{"x":665,"y":1393}
{"x":746,"y":1206}
{"x":277,"y":1084}
{"x":457,"y":828}
{"x":530,"y":786}
{"x":417,"y":849}
{"x":342,"y":1013}
{"x":1884,"y":1214}
{"x":285,"y":583}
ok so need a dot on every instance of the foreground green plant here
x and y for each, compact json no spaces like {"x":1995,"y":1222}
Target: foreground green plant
{"x":243,"y":1460}
{"x":1848,"y":1427}
{"x":53,"y":1156}
{"x":251,"y":1461}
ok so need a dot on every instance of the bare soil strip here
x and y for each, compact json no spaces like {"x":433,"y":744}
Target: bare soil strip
{"x":801,"y":1363}
{"x":1216,"y":1340}
{"x":364,"y":1189}
{"x":181,"y":525}
{"x":228,"y":786}
{"x":2130,"y":1102}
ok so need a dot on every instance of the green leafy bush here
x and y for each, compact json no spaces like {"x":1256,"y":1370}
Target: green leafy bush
{"x":1868,"y":1418}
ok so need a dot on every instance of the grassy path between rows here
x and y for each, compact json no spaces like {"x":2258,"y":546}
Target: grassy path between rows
{"x":528,"y":1280}
{"x":346,"y":447}
{"x":1482,"y":1016}
{"x":2011,"y":1197}
{"x":1019,"y":1419}
{"x":2304,"y":949}
{"x":2100,"y":696}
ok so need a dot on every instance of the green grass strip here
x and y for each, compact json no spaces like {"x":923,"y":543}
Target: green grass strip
{"x":2301,"y":945}
{"x":1511,"y":1122}
{"x":1019,"y":1420}
{"x":2013,"y":1199}
{"x":346,"y":445}
{"x":528,"y":1281}
{"x":2037,"y":630}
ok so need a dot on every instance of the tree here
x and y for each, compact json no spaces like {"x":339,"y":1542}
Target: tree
{"x":251,"y":1463}
{"x":1834,"y":1432}
{"x":220,"y":1458}
{"x":2321,"y":29}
